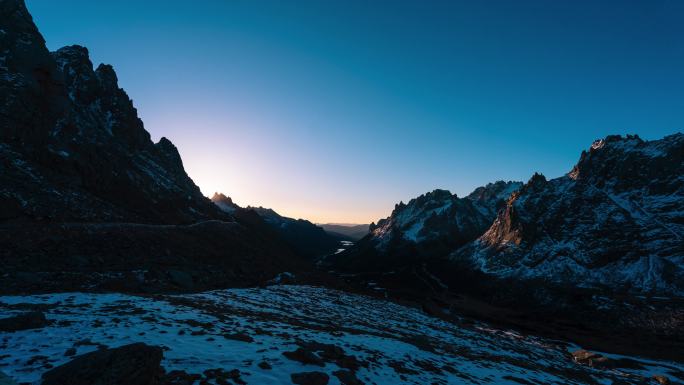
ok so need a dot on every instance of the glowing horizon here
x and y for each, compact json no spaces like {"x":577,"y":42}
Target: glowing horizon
{"x":335,"y":111}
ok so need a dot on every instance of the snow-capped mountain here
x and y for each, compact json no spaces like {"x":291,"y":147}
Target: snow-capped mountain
{"x":441,"y":215}
{"x":431,"y":225}
{"x":306,"y":238}
{"x":616,"y":220}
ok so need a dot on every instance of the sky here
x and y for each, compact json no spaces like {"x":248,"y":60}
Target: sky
{"x":334,"y":111}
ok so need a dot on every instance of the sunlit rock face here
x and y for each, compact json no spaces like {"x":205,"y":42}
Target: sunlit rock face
{"x":616,"y":220}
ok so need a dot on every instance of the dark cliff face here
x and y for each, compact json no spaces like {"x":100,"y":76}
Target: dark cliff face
{"x":31,"y":86}
{"x":72,"y":145}
{"x":616,"y":221}
{"x":88,"y":201}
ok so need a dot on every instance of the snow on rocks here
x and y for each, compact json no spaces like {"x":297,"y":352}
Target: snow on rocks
{"x":289,"y":331}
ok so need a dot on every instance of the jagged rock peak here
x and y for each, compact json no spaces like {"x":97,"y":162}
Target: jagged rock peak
{"x":497,"y":190}
{"x":107,"y":76}
{"x":616,"y":220}
{"x":220,"y":197}
{"x":225,"y":203}
{"x":16,"y":15}
{"x":629,"y":152}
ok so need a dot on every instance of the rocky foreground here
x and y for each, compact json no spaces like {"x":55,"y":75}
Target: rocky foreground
{"x":283,"y":335}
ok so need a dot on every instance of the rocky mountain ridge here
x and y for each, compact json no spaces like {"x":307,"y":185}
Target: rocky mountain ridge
{"x":72,"y":145}
{"x":88,"y":201}
{"x":616,"y":220}
{"x":306,"y":238}
{"x":433,"y":224}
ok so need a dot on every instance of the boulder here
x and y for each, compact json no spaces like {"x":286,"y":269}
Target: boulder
{"x":304,"y":356}
{"x":310,"y":378}
{"x":134,"y":364}
{"x":592,"y":359}
{"x":24,"y":321}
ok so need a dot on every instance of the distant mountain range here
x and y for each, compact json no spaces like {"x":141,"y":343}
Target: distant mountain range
{"x":352,"y":232}
{"x":306,"y":238}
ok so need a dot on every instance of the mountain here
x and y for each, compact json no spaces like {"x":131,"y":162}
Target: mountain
{"x":595,"y":255}
{"x":615,"y":221}
{"x":86,"y":197}
{"x":346,"y":231}
{"x":72,"y":145}
{"x":430,"y":226}
{"x":306,"y":239}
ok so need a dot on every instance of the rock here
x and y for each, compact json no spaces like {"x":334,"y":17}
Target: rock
{"x":310,"y":378}
{"x":24,"y":321}
{"x":179,"y":377}
{"x":70,"y":352}
{"x":304,"y":356}
{"x":238,"y":337}
{"x":331,"y":353}
{"x":347,"y":377}
{"x":265,"y":365}
{"x":662,"y":380}
{"x":592,"y":359}
{"x":221,"y":376}
{"x":134,"y":364}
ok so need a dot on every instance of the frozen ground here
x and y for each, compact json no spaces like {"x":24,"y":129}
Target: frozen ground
{"x":379,"y":342}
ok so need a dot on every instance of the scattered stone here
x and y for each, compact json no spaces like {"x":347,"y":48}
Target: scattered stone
{"x":180,"y":377}
{"x":221,"y":377}
{"x":662,"y":380}
{"x":310,"y":378}
{"x":264,"y":365}
{"x":70,"y":352}
{"x":304,"y":356}
{"x":24,"y":321}
{"x":347,"y":377}
{"x":333,"y":354}
{"x":238,"y":337}
{"x":134,"y":364}
{"x":592,"y":359}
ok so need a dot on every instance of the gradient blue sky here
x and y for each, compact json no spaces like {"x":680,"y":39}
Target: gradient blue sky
{"x":336,"y":110}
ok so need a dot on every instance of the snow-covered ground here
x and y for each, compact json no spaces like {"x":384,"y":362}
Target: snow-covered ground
{"x":381,"y":342}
